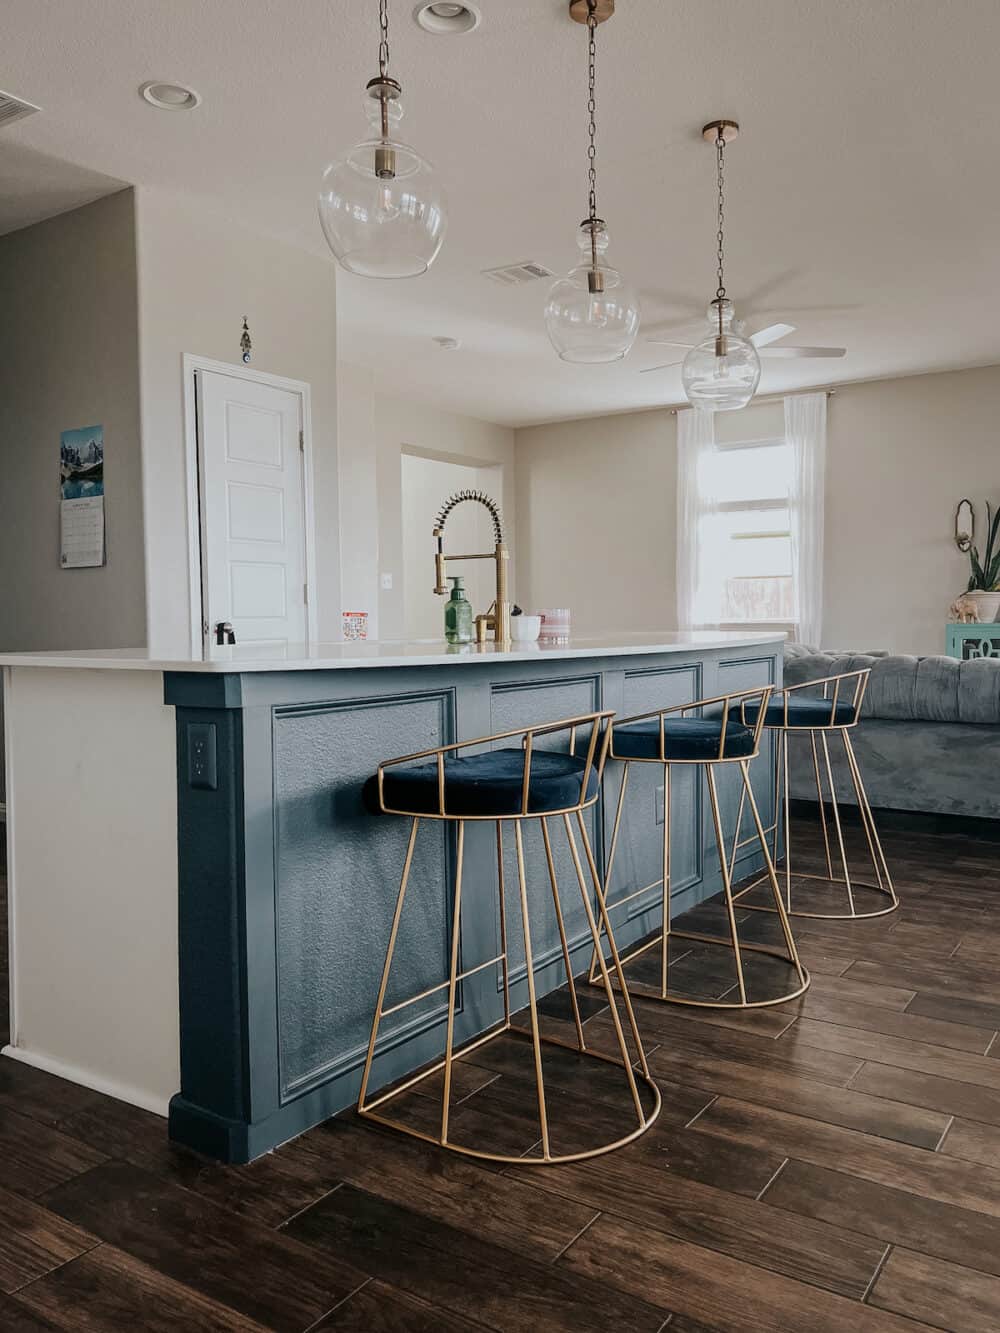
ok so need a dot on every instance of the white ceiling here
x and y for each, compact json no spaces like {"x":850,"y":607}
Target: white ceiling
{"x":863,"y":193}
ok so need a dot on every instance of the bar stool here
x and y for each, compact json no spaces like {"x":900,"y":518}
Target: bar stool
{"x":671,"y":738}
{"x":517,"y":784}
{"x":795,"y":712}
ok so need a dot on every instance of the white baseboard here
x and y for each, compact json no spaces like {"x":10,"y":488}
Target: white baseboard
{"x":87,"y":1079}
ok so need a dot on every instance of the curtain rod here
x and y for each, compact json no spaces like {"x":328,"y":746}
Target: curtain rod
{"x":763,"y":402}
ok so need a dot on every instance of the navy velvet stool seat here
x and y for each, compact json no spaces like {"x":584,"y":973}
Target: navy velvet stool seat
{"x":684,"y":738}
{"x":720,"y":733}
{"x":822,"y":710}
{"x":485,"y":786}
{"x":509,"y":784}
{"x":789,"y":710}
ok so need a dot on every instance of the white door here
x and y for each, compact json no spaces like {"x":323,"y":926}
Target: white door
{"x":252,"y":499}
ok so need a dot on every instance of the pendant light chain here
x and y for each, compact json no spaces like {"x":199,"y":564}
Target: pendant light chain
{"x":383,"y":45}
{"x":592,"y":314}
{"x":720,"y":291}
{"x":592,"y":112}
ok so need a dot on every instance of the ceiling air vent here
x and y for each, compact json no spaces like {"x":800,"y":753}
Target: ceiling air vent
{"x":513,"y":275}
{"x":12,"y":108}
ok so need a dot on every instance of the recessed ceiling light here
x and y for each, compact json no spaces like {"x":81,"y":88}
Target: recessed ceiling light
{"x":441,"y":16}
{"x":170,"y":96}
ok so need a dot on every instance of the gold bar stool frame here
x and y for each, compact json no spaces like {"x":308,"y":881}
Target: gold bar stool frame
{"x":439,"y":774}
{"x":669,"y":737}
{"x":796,"y":712}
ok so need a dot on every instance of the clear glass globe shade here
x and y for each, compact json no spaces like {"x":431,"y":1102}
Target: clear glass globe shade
{"x":590,"y":327}
{"x":389,"y":226}
{"x":721,"y":383}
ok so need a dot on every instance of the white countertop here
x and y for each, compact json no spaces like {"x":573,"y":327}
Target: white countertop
{"x":370,"y":653}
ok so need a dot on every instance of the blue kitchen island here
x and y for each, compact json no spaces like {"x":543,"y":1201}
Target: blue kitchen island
{"x":284,"y":885}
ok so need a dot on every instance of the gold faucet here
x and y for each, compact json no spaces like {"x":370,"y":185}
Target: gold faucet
{"x":497,"y":618}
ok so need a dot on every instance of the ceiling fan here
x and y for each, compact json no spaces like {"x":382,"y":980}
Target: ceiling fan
{"x":764,"y":340}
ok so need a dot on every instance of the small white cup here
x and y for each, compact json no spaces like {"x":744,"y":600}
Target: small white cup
{"x":525,"y":629}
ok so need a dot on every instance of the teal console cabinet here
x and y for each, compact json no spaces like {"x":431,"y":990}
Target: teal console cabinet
{"x":967,"y":642}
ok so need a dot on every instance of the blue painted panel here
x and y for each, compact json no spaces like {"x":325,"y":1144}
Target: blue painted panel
{"x":337,"y":871}
{"x":523,"y":703}
{"x":639,"y":858}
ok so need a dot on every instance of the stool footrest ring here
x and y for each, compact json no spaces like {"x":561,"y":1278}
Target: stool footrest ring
{"x":651,"y":992}
{"x":822,"y":916}
{"x":369,"y":1110}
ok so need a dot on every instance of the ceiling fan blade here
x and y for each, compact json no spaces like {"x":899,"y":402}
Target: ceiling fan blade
{"x":803,"y":351}
{"x":668,"y":365}
{"x":667,"y":342}
{"x":763,"y":337}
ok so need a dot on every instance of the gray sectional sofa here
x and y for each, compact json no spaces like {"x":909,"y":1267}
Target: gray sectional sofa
{"x":929,"y":735}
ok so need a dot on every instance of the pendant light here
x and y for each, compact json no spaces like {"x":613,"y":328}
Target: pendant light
{"x":721,"y":373}
{"x":381,"y":206}
{"x":592,"y":315}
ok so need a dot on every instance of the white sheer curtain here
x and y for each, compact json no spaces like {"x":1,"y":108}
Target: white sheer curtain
{"x":699,"y":540}
{"x":805,"y":431}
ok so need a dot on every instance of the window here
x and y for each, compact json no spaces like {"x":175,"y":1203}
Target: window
{"x":751,"y":489}
{"x":750,"y":518}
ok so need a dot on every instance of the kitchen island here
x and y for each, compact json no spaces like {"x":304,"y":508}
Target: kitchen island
{"x":199,"y":902}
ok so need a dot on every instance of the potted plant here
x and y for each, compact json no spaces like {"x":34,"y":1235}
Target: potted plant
{"x":985,"y":575}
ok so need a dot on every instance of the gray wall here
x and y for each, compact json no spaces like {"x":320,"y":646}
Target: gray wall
{"x":69,"y":357}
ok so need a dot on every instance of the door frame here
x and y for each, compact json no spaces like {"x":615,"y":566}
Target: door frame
{"x":192,"y":364}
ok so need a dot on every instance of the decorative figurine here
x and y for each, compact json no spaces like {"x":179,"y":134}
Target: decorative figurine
{"x":964,"y":610}
{"x":246,"y":346}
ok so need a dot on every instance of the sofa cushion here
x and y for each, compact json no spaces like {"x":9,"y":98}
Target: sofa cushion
{"x":907,"y":689}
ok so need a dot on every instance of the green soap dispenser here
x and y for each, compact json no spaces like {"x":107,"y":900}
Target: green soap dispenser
{"x":458,"y":613}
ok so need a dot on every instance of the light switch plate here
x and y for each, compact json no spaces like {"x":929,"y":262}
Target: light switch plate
{"x":385,"y":582}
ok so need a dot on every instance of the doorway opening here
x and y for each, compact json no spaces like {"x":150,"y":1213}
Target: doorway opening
{"x":427,"y":481}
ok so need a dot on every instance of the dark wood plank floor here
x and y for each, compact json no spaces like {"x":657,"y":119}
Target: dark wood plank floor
{"x":829,"y":1164}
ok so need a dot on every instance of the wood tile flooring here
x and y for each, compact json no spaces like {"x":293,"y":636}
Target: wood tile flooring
{"x":829,"y":1164}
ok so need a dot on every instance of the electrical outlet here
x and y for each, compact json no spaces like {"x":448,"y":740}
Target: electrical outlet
{"x":385,"y":582}
{"x":203,"y":769}
{"x":658,"y":804}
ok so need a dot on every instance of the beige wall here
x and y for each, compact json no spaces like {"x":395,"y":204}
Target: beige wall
{"x":900,"y":455}
{"x":376,"y":430}
{"x":198,"y":276}
{"x":69,"y":357}
{"x":596,"y":508}
{"x":595,"y":531}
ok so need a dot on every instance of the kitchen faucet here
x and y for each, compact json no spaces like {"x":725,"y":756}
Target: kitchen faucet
{"x":497,"y":618}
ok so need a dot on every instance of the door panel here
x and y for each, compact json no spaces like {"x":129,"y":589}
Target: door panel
{"x":253,"y":521}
